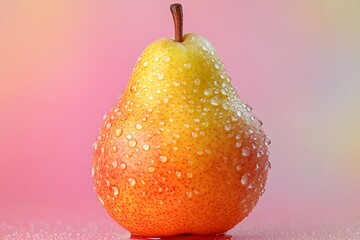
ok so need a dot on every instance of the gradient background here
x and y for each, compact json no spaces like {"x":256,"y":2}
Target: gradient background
{"x":63,"y":65}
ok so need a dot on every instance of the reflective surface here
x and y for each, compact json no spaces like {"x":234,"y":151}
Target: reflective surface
{"x":188,"y":237}
{"x":107,"y":230}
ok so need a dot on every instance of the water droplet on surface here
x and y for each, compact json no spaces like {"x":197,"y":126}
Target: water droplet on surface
{"x":132,"y":181}
{"x":224,"y":91}
{"x":214,"y":102}
{"x":133,"y":88}
{"x":145,"y":63}
{"x":187,"y":65}
{"x":234,"y":118}
{"x":227,"y":127}
{"x":92,"y":171}
{"x":132,"y":143}
{"x":151,"y":98}
{"x":267,"y":140}
{"x":160,"y":75}
{"x":115,"y":190}
{"x":123,"y":165}
{"x":138,"y":126}
{"x":128,"y":136}
{"x":108,"y":126}
{"x":268,"y":164}
{"x":251,"y":185}
{"x":166,"y":100}
{"x":114,"y":163}
{"x":166,"y":58}
{"x":205,"y":123}
{"x":114,"y":148}
{"x":238,"y":167}
{"x":238,"y":144}
{"x":156,"y":59}
{"x":226,"y":105}
{"x":204,"y":48}
{"x":244,"y":179}
{"x":95,"y":145}
{"x":100,"y":200}
{"x":171,"y":120}
{"x":151,"y":169}
{"x":176,"y":83}
{"x":239,"y":113}
{"x":118,"y":132}
{"x":189,"y":194}
{"x":146,"y":147}
{"x":194,"y":134}
{"x":208,"y":92}
{"x":176,"y":135}
{"x":197,"y":82}
{"x":245,"y":151}
{"x":247,"y":106}
{"x":206,"y":108}
{"x":163,"y":158}
{"x":178,"y":174}
{"x":186,"y":125}
{"x":189,"y":175}
{"x":262,"y":192}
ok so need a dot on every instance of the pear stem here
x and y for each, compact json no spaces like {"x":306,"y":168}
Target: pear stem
{"x":177,"y":13}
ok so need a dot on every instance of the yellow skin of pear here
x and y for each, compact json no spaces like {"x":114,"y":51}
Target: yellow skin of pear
{"x":180,"y":152}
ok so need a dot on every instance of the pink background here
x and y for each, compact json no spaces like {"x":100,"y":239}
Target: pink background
{"x":63,"y":65}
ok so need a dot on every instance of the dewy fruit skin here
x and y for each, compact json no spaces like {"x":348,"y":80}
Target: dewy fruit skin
{"x":180,"y":152}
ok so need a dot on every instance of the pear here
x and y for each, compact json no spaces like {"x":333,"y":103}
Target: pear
{"x":180,"y":152}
